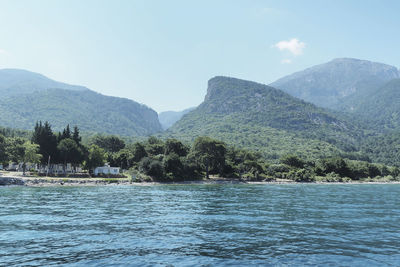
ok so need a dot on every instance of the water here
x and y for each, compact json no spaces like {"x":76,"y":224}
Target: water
{"x":195,"y":225}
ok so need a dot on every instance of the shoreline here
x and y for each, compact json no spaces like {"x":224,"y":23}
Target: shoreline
{"x":33,"y":181}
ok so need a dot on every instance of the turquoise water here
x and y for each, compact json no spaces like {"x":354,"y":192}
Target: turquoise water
{"x":195,"y":225}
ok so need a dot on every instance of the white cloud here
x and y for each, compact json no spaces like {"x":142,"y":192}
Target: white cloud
{"x":286,"y":61}
{"x":294,"y":46}
{"x":3,"y":52}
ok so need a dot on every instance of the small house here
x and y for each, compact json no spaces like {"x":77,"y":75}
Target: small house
{"x":106,"y":169}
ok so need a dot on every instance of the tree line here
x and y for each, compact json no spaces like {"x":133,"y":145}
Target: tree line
{"x":172,"y":160}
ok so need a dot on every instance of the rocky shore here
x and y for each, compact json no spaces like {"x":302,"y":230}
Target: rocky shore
{"x":51,"y":181}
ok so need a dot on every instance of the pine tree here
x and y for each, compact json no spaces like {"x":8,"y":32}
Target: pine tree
{"x":47,"y":141}
{"x":76,"y":137}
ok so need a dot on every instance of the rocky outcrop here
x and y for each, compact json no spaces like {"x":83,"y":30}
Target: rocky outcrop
{"x":4,"y":181}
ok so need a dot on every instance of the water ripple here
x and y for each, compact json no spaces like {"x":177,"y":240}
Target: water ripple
{"x":207,"y":225}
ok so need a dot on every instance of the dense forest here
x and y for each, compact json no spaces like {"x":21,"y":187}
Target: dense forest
{"x":168,"y":160}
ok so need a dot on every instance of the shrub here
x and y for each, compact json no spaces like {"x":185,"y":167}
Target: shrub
{"x":151,"y":167}
{"x":301,"y":175}
{"x":292,"y":161}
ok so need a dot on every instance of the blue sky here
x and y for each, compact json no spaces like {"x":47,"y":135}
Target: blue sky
{"x":162,"y":53}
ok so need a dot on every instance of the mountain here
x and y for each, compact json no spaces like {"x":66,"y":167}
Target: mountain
{"x":168,"y":118}
{"x":17,"y":81}
{"x":339,"y":84}
{"x":382,"y":107}
{"x":29,"y":97}
{"x":266,"y":119}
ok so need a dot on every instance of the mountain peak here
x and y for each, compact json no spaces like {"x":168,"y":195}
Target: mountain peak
{"x":225,"y":87}
{"x":348,"y":59}
{"x":331,"y":83}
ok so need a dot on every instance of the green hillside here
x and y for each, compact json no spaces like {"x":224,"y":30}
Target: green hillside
{"x":384,"y":148}
{"x":382,"y":108}
{"x":266,"y":119}
{"x":90,"y":111}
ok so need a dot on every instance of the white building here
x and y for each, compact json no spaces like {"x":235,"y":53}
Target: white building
{"x":106,"y":169}
{"x":12,"y":166}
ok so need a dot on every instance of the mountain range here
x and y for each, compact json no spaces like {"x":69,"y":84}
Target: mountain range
{"x":345,"y":107}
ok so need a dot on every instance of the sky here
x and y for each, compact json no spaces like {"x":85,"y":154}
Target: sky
{"x":162,"y":53}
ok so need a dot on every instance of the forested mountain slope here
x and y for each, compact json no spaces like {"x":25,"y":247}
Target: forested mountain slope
{"x":28,"y":97}
{"x":382,"y":108}
{"x":266,"y":119}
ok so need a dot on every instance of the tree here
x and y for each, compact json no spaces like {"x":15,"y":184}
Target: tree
{"x":172,"y":164}
{"x":151,"y":167}
{"x":76,"y":137}
{"x":336,"y":165}
{"x":47,"y":141}
{"x":138,"y":151}
{"x":3,"y":145}
{"x":111,"y":144}
{"x":31,"y":154}
{"x":65,"y":134}
{"x":292,"y":160}
{"x":175,"y":146}
{"x":210,"y":153}
{"x":123,"y":158}
{"x":154,"y":146}
{"x":70,"y":152}
{"x":96,"y":157}
{"x":15,"y":149}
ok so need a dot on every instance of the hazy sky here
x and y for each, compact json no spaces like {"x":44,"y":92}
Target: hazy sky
{"x":162,"y":53}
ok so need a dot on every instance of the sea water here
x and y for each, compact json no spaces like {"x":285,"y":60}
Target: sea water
{"x":201,"y":225}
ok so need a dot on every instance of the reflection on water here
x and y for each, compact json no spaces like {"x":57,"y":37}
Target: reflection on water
{"x":188,"y":225}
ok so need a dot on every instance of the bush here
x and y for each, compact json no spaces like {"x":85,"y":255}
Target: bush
{"x":277,"y":170}
{"x":301,"y":175}
{"x":333,"y":177}
{"x":173,"y":165}
{"x":151,"y":167}
{"x":292,"y":161}
{"x":336,"y":165}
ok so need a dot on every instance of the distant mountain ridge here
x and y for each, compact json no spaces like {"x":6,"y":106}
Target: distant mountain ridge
{"x":18,"y":81}
{"x":338,"y":84}
{"x":29,"y":97}
{"x":168,"y":118}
